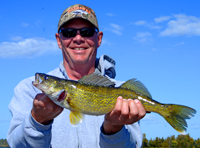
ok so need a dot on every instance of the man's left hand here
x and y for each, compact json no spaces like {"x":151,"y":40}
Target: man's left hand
{"x":125,"y":112}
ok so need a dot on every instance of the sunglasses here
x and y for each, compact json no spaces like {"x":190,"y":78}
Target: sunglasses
{"x":84,"y":32}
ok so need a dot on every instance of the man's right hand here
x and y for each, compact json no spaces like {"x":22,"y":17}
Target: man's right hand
{"x":44,"y":109}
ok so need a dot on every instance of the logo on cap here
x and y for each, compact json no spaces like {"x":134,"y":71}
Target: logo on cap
{"x":80,"y":12}
{"x":79,"y":8}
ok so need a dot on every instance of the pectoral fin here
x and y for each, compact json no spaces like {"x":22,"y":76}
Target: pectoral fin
{"x":76,"y":117}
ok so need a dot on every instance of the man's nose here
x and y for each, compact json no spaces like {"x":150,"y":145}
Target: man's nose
{"x":78,"y":38}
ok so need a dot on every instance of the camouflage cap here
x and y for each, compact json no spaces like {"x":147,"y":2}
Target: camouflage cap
{"x":78,"y":11}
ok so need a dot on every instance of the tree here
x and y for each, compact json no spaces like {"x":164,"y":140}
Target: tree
{"x":152,"y":143}
{"x":181,"y":141}
{"x":174,"y":143}
{"x":3,"y":143}
{"x":145,"y":141}
{"x":197,"y":143}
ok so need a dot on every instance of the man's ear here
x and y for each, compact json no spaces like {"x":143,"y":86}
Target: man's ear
{"x":100,"y":36}
{"x":58,"y":40}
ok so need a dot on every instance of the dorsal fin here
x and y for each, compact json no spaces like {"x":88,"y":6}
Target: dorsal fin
{"x":96,"y":79}
{"x":136,"y":86}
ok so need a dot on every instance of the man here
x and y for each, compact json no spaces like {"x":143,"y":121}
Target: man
{"x":38,"y":122}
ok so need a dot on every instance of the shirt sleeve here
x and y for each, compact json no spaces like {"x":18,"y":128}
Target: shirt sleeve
{"x":130,"y":136}
{"x":24,"y":131}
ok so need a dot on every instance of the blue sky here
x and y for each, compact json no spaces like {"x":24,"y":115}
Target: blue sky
{"x":155,"y":41}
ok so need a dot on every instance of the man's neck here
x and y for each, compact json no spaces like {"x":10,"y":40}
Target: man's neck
{"x":76,"y":72}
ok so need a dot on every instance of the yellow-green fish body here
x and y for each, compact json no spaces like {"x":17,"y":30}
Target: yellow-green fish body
{"x":94,"y":95}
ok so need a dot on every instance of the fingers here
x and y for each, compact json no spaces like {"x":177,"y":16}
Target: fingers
{"x":131,"y":111}
{"x":44,"y":109}
{"x":39,"y":101}
{"x":43,"y":101}
{"x":134,"y":111}
{"x":118,"y":106}
{"x":139,"y":110}
{"x":126,"y":111}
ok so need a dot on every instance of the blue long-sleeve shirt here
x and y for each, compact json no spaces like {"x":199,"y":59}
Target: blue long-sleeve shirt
{"x":25,"y":132}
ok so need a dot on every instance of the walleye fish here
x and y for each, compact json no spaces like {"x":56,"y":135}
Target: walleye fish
{"x":95,"y":95}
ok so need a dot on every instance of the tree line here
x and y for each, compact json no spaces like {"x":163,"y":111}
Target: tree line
{"x":181,"y":141}
{"x":3,"y":143}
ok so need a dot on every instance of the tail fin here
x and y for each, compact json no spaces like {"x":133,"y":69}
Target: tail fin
{"x":176,"y":115}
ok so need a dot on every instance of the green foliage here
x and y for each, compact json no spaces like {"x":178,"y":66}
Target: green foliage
{"x":3,"y":143}
{"x":181,"y":141}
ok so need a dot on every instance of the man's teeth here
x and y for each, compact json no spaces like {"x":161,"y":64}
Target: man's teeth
{"x":79,"y":48}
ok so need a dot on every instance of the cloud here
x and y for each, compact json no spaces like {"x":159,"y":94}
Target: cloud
{"x":106,"y":42}
{"x":116,"y":29}
{"x":140,"y":23}
{"x":179,"y":44}
{"x":149,"y":25}
{"x":152,"y":26}
{"x":116,"y":32}
{"x":16,"y":38}
{"x":143,"y":37}
{"x":28,"y":47}
{"x":4,"y":120}
{"x":115,"y":26}
{"x":154,"y":49}
{"x":150,"y":119}
{"x":161,"y":19}
{"x":24,"y":24}
{"x":38,"y":23}
{"x":182,"y":25}
{"x":110,"y":14}
{"x":143,"y":34}
{"x":195,"y":126}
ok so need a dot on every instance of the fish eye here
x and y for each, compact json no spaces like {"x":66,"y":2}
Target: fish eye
{"x":46,"y":77}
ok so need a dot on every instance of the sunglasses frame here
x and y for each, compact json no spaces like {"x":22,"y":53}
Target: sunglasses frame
{"x":74,"y":32}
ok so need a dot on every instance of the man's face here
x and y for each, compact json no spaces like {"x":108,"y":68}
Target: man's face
{"x":79,"y":50}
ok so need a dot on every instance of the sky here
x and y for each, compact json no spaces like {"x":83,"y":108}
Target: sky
{"x":157,"y":42}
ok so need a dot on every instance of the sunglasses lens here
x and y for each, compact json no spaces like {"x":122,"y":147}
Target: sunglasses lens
{"x":85,"y":32}
{"x":68,"y":32}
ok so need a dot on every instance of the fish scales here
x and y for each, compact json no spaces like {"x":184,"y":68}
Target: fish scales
{"x":96,"y":100}
{"x":93,"y":95}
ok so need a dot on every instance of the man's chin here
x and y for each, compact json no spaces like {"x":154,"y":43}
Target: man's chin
{"x":80,"y":61}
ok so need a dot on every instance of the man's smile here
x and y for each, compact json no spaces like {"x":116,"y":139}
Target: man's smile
{"x":79,"y":48}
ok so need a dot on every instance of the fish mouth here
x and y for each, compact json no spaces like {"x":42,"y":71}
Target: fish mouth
{"x":37,"y":80}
